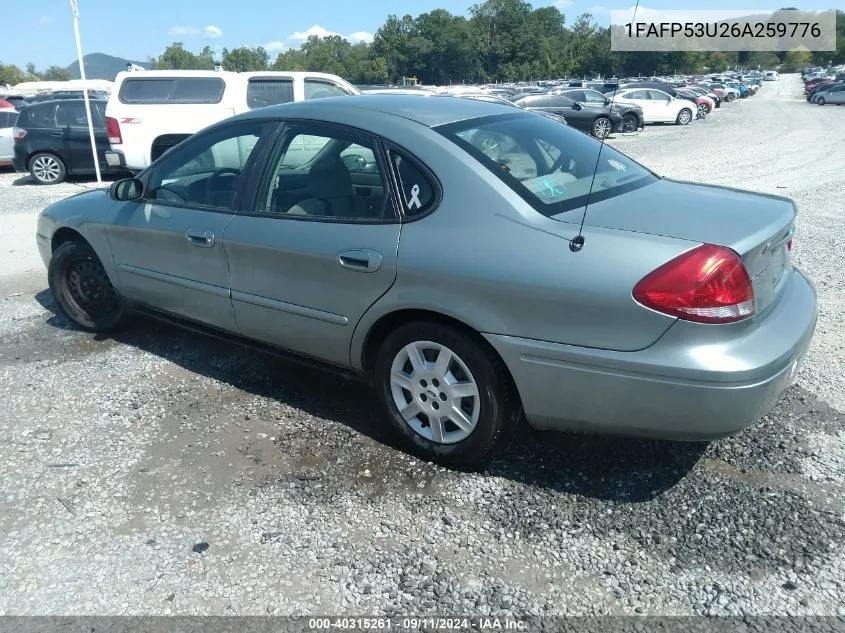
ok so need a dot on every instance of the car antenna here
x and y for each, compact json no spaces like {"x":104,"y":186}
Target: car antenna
{"x":577,"y":242}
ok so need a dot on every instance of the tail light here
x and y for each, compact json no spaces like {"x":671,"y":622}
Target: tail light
{"x":789,"y":245}
{"x":18,"y":134}
{"x":113,"y":131}
{"x":708,"y":284}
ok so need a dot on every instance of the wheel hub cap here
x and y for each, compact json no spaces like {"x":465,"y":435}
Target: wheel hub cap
{"x":435,"y":393}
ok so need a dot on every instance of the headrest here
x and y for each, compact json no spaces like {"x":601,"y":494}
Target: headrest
{"x":330,"y":180}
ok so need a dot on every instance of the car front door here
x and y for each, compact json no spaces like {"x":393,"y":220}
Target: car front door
{"x":640,"y":97}
{"x":319,"y":244}
{"x":167,"y":246}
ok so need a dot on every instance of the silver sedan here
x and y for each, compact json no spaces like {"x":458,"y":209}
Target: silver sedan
{"x":476,"y":263}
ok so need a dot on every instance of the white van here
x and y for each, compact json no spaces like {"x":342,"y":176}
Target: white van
{"x":149,"y":112}
{"x":770,"y":75}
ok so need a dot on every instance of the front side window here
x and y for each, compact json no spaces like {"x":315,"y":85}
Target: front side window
{"x":327,"y":174}
{"x":207,"y":171}
{"x":317,"y":89}
{"x":551,"y":166}
{"x":594,"y":98}
{"x":262,"y":92}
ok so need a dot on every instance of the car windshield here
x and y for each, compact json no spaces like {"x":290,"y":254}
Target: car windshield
{"x":551,"y":166}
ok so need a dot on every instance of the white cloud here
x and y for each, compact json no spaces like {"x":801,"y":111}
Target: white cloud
{"x":45,"y":19}
{"x":272,"y":47}
{"x":360,"y":36}
{"x":212,"y":31}
{"x":646,"y":15}
{"x":320,"y":31}
{"x":181,"y":31}
{"x":563,"y":4}
{"x":600,"y":10}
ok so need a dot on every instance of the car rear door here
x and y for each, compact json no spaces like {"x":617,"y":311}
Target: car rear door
{"x":318,"y":245}
{"x":167,"y":246}
{"x":72,"y":129}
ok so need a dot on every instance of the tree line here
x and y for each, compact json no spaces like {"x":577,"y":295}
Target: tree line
{"x":12,"y":75}
{"x":500,"y":40}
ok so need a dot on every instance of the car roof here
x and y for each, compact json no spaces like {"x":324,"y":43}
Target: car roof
{"x":428,"y":112}
{"x":41,"y":104}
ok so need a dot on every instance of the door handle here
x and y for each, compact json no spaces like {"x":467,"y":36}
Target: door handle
{"x":360,"y":260}
{"x":200,"y":237}
{"x":57,"y":133}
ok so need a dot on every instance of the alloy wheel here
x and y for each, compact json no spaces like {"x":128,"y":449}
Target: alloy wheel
{"x":601,"y":128}
{"x":435,"y":392}
{"x":46,"y":168}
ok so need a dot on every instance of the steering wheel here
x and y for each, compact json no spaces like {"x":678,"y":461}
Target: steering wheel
{"x":216,"y":175}
{"x":355,"y":162}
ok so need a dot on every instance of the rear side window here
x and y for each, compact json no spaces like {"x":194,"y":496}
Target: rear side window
{"x":73,"y":114}
{"x":317,"y":89}
{"x":7,"y":119}
{"x":267,"y":92}
{"x":40,"y":116}
{"x":417,"y":192}
{"x":173,"y":90}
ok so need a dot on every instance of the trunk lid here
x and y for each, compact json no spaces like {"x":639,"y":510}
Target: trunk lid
{"x":755,"y":225}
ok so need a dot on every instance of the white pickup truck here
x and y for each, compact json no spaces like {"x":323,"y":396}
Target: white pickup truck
{"x":149,"y":112}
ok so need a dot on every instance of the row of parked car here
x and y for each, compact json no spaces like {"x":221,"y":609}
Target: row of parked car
{"x":148,"y":112}
{"x":824,"y":86}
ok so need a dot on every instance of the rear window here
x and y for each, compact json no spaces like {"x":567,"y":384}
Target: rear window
{"x":173,"y":90}
{"x":7,"y":119}
{"x":549,"y":165}
{"x":267,"y":92}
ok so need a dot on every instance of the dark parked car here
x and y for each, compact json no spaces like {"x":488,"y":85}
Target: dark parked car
{"x":598,"y":121}
{"x":632,"y":115}
{"x":490,"y":98}
{"x":66,"y":94}
{"x":52,"y":140}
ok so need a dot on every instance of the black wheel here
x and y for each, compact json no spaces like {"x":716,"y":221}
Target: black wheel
{"x":601,"y":127}
{"x":820,"y":101}
{"x":629,"y":123}
{"x":82,"y":289}
{"x":447,"y":395}
{"x":47,"y":169}
{"x":684,"y":117}
{"x":730,"y":97}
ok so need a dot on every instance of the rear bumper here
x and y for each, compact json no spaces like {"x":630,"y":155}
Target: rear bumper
{"x":115,"y":159}
{"x":697,"y":382}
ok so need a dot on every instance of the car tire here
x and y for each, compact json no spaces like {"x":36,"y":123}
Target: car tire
{"x":820,"y":101}
{"x":684,"y":117}
{"x":490,"y":407}
{"x":730,"y":97}
{"x":82,"y":290}
{"x":629,"y":123}
{"x":47,"y":169}
{"x":601,"y":128}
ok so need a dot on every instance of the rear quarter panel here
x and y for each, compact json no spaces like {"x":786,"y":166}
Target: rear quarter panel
{"x":488,"y":259}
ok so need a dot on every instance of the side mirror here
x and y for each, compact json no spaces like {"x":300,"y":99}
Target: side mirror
{"x":576,"y":106}
{"x":606,"y":101}
{"x":126,"y":190}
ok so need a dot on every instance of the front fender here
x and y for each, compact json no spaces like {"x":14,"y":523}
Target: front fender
{"x":85,"y":214}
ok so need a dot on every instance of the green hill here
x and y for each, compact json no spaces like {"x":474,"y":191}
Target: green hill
{"x":102,"y":66}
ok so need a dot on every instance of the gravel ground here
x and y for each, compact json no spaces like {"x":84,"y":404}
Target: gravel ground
{"x":161,"y":473}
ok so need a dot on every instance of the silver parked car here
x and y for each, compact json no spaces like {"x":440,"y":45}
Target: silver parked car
{"x":436,"y":247}
{"x":834,"y":94}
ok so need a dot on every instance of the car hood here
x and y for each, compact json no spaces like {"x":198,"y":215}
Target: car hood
{"x":699,"y":213}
